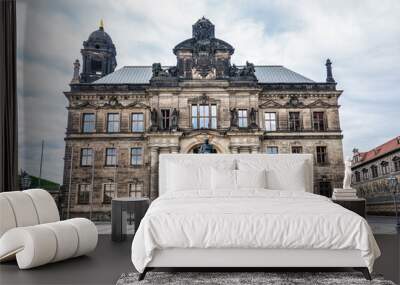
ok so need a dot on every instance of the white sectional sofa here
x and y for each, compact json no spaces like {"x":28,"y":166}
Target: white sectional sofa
{"x":31,"y":231}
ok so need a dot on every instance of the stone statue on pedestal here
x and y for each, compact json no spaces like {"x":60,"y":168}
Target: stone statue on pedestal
{"x":154,"y":120}
{"x":234,"y":118}
{"x":174,"y":119}
{"x":347,"y":174}
{"x":253,"y":118}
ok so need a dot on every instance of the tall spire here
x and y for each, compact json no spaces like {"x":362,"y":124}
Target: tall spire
{"x":329,"y":76}
{"x":101,"y":24}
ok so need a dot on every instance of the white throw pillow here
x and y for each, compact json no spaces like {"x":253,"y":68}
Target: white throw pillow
{"x":223,"y":179}
{"x":283,"y":180}
{"x":282,"y":174}
{"x":251,"y":178}
{"x":183,"y":177}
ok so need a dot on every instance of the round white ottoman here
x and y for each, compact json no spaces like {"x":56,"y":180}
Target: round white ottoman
{"x":40,"y":244}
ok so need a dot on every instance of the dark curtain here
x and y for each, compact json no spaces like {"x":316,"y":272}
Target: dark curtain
{"x":8,"y":98}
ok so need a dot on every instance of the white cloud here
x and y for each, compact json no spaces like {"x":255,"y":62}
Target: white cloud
{"x":361,"y":37}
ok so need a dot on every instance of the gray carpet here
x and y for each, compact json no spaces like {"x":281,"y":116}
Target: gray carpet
{"x":268,"y":278}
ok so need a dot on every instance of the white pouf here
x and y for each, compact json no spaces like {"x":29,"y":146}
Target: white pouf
{"x":31,"y":233}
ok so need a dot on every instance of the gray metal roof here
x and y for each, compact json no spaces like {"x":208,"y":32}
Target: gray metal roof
{"x":142,"y":75}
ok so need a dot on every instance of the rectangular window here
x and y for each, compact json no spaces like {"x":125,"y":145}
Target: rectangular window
{"x":294,"y":121}
{"x":136,"y":190}
{"x":385,"y":167}
{"x":358,"y":176}
{"x":270,"y":121}
{"x":297,"y":149}
{"x":83,"y":193}
{"x":374,"y":171}
{"x":112,"y":122}
{"x":242,"y":116}
{"x":325,"y":188}
{"x":89,"y":123}
{"x":86,"y":156}
{"x":272,"y":150}
{"x":396,"y":162}
{"x":322,"y":155}
{"x":137,"y":122}
{"x":136,"y":156}
{"x":108,"y":192}
{"x":319,"y":121}
{"x":111,"y":156}
{"x":165,"y":119}
{"x":204,"y":116}
{"x":365,"y":174}
{"x":213,"y":116}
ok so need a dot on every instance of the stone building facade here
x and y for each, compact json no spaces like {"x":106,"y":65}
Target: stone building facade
{"x":119,"y":123}
{"x":370,"y":173}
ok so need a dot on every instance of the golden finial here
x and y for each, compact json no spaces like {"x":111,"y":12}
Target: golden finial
{"x":101,"y":24}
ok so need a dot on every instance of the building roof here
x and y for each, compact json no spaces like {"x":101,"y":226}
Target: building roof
{"x":379,"y":151}
{"x":143,"y":74}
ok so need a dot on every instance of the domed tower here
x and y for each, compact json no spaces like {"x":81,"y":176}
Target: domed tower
{"x":98,"y":56}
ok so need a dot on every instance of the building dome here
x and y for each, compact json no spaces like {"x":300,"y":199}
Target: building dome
{"x":99,"y":39}
{"x":98,"y":56}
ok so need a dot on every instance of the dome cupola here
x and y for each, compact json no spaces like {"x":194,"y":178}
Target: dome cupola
{"x":98,"y":55}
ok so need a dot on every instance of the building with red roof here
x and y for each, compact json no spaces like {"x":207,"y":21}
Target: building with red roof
{"x":371,"y":170}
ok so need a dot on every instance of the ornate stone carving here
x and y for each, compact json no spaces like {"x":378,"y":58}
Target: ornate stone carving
{"x":113,"y":103}
{"x":253,"y":119}
{"x":248,"y":70}
{"x":203,"y":29}
{"x":234,"y":118}
{"x":294,"y":102}
{"x":174,"y":120}
{"x":76,"y":78}
{"x":154,"y":120}
{"x":206,"y":147}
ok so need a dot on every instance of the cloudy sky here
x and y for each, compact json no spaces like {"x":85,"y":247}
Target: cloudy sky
{"x":362,"y":38}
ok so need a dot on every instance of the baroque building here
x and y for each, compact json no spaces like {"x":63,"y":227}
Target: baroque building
{"x":120,"y":121}
{"x":370,"y":173}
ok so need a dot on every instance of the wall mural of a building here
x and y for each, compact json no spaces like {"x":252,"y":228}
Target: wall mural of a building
{"x":120,"y":120}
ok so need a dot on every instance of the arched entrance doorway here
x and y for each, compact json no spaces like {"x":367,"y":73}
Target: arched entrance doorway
{"x":196,"y":149}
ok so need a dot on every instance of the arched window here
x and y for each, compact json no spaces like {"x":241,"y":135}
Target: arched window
{"x":365,"y":174}
{"x":357,"y":175}
{"x":385,"y":167}
{"x":396,"y":162}
{"x":374,"y":171}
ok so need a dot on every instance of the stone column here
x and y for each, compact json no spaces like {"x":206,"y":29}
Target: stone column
{"x":153,"y":172}
{"x":254,"y":149}
{"x":234,"y":149}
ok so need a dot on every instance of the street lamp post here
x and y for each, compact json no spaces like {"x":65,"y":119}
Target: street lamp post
{"x":393,"y":186}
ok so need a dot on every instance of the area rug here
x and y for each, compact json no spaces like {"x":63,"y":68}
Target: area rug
{"x":243,"y":278}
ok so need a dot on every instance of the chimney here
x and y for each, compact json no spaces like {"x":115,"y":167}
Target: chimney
{"x":329,"y":76}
